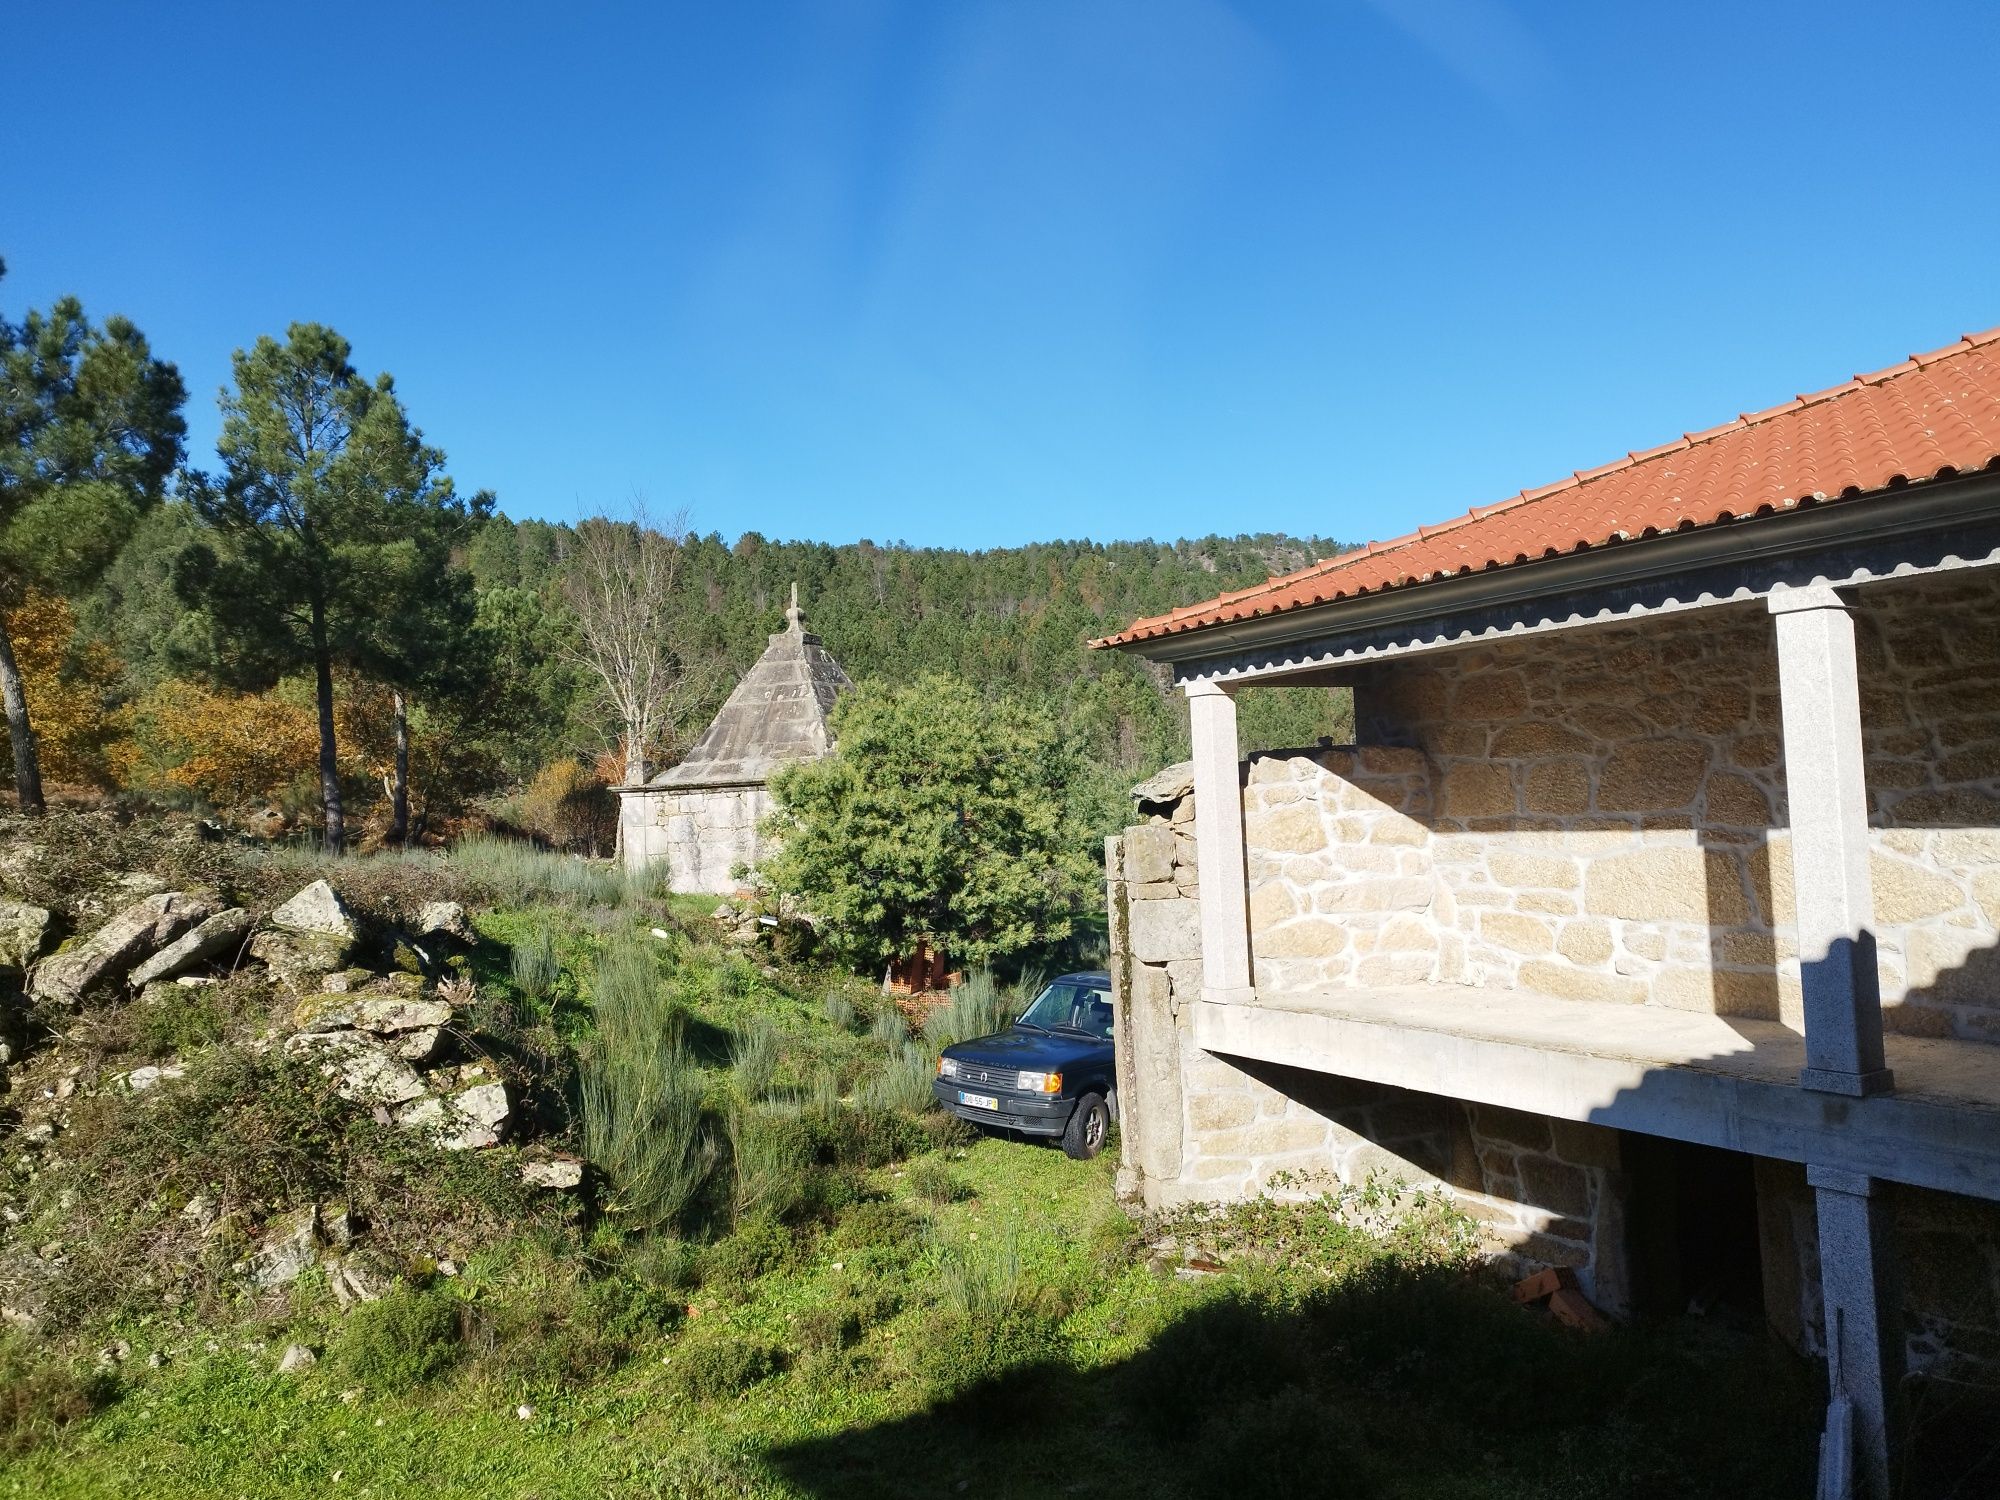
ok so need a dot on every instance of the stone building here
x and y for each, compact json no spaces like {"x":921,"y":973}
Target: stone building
{"x":701,"y":816}
{"x":1656,"y":911}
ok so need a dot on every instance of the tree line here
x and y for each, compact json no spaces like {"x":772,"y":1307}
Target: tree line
{"x":318,"y":621}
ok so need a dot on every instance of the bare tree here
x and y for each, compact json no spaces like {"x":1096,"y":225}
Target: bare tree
{"x":620,"y":584}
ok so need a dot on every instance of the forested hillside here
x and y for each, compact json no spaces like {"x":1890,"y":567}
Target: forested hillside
{"x":132,"y":698}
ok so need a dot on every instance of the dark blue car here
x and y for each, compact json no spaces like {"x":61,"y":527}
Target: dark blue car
{"x":1050,"y":1073}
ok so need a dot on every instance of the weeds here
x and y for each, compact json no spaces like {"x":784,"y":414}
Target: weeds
{"x":932,"y":1179}
{"x":753,"y":1059}
{"x":40,"y":1397}
{"x":889,"y":1028}
{"x":839,"y":1010}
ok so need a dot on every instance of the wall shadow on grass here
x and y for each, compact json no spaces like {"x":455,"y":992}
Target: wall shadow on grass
{"x":1393,"y":1382}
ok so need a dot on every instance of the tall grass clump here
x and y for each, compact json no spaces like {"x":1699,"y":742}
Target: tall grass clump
{"x":645,"y":1119}
{"x":889,"y":1028}
{"x":753,"y":1059}
{"x":978,"y":1007}
{"x":534,"y":965}
{"x":519,"y":874}
{"x":904,"y":1082}
{"x":838,"y":1009}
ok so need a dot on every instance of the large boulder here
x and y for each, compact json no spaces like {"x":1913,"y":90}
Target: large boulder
{"x":212,"y":938}
{"x":382,"y":1014}
{"x":23,"y":929}
{"x":445,"y":919}
{"x":364,"y":1071}
{"x":317,"y":909}
{"x":468,"y":1121}
{"x":110,"y":953}
{"x":300,"y":961}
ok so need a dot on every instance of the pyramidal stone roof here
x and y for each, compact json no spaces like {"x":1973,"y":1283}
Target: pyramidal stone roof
{"x":777,"y":714}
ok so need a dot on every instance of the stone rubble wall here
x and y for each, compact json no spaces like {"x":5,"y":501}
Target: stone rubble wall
{"x":700,"y":833}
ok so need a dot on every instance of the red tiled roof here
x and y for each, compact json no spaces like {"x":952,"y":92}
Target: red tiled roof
{"x":1930,"y":417}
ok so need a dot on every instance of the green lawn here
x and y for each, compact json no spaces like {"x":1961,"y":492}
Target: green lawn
{"x":1105,"y":1377}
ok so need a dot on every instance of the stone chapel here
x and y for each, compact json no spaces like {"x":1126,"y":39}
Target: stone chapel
{"x":700,"y":817}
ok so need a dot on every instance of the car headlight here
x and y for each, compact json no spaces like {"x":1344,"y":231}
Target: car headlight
{"x":1039,"y":1083}
{"x":947,"y":1067}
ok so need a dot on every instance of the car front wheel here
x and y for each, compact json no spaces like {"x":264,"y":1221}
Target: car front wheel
{"x":1088,"y":1126}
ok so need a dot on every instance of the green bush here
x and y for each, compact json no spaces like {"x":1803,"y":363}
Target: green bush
{"x":754,"y":1055}
{"x":400,"y":1341}
{"x":877,"y":1224}
{"x":711,"y":1369}
{"x":838,"y":1009}
{"x":773,"y":1158}
{"x":758,"y":1246}
{"x":904,"y":1082}
{"x":181,"y":1022}
{"x":41,"y":1393}
{"x":932,"y":1179}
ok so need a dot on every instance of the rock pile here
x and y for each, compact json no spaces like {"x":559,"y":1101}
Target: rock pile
{"x":385,"y":1038}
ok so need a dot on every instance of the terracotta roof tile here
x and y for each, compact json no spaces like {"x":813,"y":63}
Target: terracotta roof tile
{"x":1931,"y":416}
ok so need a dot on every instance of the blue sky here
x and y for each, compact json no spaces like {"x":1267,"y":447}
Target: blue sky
{"x":977,"y":273}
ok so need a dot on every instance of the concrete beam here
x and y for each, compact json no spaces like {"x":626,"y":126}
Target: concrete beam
{"x":1820,"y":696}
{"x":1218,"y":832}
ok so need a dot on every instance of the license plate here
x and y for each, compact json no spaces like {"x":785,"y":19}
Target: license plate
{"x":978,"y":1101}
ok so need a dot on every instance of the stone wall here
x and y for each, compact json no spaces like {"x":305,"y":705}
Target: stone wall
{"x":1601,"y":815}
{"x":1197,"y":1127}
{"x":701,"y":834}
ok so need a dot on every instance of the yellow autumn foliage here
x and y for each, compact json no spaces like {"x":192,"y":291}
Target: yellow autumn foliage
{"x":84,"y":736}
{"x":229,"y":748}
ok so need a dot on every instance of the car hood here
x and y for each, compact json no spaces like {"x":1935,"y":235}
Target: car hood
{"x":1032,"y":1050}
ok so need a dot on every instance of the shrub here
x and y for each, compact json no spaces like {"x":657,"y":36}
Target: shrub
{"x":877,"y":1223}
{"x":534,"y":965}
{"x":398,"y":1342}
{"x":760,"y":1245}
{"x":645,"y":1121}
{"x":904,"y":1082}
{"x":39,"y":1397}
{"x":840,"y":1010}
{"x":715,"y":1368}
{"x":571,"y":807}
{"x":773,"y":1160}
{"x":181,"y":1022}
{"x":514,"y":873}
{"x":932,"y":1179}
{"x":978,"y":1007}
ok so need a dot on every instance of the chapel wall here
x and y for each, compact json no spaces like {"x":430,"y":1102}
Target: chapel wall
{"x":702,"y":834}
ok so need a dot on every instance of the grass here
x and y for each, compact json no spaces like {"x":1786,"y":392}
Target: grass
{"x":914,"y":1346}
{"x":791,"y":1278}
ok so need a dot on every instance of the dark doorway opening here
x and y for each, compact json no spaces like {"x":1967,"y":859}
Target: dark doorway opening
{"x":1692,"y":1231}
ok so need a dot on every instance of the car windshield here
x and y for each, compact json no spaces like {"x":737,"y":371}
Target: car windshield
{"x":1069,"y":1005}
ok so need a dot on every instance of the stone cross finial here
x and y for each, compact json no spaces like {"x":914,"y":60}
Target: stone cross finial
{"x":795,"y":618}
